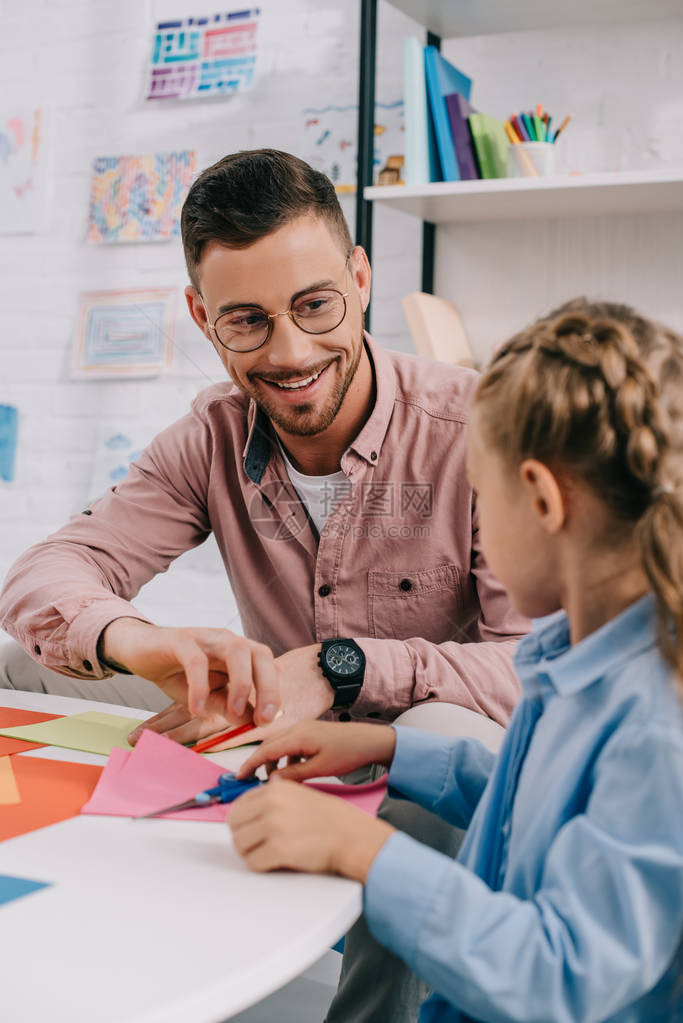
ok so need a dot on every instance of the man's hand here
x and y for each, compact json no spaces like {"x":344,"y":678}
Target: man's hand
{"x":316,"y":749}
{"x":210,"y":671}
{"x":305,"y":693}
{"x":285,"y":825}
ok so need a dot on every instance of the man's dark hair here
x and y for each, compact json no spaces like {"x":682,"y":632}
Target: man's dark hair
{"x":247,"y":195}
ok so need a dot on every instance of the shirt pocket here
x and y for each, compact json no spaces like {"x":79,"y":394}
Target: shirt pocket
{"x":409,"y":603}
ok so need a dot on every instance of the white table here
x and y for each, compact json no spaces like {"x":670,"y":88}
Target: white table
{"x":154,"y":921}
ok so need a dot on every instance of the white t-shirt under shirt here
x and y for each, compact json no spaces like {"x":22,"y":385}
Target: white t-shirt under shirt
{"x":318,"y":494}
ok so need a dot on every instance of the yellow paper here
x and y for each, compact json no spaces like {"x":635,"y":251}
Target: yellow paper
{"x":9,"y":793}
{"x":93,"y":732}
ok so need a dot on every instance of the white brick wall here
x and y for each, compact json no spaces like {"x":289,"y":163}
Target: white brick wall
{"x":86,"y":60}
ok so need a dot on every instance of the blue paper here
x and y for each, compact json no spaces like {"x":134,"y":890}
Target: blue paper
{"x":8,"y":441}
{"x":14,"y":887}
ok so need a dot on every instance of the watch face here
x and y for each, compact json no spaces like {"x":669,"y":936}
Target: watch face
{"x":343,"y":659}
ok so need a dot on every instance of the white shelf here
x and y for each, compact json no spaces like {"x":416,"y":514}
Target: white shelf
{"x":483,"y":17}
{"x":652,"y":191}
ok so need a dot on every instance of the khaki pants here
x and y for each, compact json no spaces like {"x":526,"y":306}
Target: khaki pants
{"x":19,"y":671}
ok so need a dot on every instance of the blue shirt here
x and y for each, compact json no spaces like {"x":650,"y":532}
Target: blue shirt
{"x":566,"y":901}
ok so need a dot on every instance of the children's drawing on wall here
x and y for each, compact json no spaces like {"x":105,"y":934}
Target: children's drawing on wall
{"x":117,"y":446}
{"x":9,"y":420}
{"x":330,"y":139}
{"x":23,"y":171}
{"x":204,"y":56}
{"x":139,"y":198}
{"x":124,"y":333}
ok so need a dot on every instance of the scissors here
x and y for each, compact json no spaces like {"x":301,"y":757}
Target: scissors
{"x":227,"y":789}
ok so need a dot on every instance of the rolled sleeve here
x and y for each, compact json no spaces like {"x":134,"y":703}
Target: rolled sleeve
{"x":401,"y":673}
{"x":389,"y":678}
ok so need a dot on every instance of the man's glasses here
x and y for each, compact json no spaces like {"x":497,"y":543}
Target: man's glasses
{"x":249,"y":327}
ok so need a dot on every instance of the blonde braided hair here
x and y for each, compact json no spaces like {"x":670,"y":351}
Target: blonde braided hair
{"x":596,"y":388}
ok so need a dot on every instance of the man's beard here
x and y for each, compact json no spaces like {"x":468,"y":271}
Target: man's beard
{"x":301,"y":420}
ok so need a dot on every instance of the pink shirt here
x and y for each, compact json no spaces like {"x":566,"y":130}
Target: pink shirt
{"x":398,"y":565}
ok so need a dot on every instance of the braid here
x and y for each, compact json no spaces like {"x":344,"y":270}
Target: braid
{"x":634,"y":423}
{"x":597,"y":388}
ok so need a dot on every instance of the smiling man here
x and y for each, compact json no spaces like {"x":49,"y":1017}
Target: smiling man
{"x":332,"y":473}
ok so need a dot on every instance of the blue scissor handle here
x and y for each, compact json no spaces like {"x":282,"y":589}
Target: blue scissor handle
{"x":228,"y":788}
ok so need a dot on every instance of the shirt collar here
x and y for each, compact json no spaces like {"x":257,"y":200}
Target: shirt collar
{"x":369,"y":441}
{"x":257,"y":449}
{"x":258,"y":446}
{"x":545,"y":656}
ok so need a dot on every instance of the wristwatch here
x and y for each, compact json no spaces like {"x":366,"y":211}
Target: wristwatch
{"x":342,"y":662}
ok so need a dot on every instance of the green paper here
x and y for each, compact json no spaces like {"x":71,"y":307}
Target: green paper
{"x":92,"y":732}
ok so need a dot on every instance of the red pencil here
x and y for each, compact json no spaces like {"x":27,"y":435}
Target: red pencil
{"x":201,"y":747}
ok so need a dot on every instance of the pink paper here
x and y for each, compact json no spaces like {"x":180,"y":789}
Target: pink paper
{"x":365,"y":797}
{"x":159,"y":772}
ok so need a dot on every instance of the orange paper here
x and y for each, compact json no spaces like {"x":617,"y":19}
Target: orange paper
{"x":50,"y":790}
{"x":10,"y":717}
{"x":9,"y":793}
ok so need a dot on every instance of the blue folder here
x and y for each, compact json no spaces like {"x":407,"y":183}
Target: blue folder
{"x":442,"y":79}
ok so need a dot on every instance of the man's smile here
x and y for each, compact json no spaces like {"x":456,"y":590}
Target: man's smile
{"x":300,"y":385}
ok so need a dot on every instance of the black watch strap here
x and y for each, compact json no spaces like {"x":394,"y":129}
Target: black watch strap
{"x":346,"y":686}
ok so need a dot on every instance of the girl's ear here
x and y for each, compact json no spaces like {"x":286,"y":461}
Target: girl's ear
{"x":544,"y":495}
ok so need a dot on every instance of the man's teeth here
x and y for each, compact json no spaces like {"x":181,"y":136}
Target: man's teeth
{"x":299,"y":383}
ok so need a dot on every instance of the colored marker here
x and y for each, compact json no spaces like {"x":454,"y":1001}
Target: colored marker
{"x":562,"y":126}
{"x":519,"y":127}
{"x":529,"y":127}
{"x":511,"y":133}
{"x":539,"y":128}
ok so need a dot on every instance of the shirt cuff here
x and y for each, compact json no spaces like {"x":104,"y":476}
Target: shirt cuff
{"x":389,"y":681}
{"x":400,"y":892}
{"x":422,"y":764}
{"x":84,"y":633}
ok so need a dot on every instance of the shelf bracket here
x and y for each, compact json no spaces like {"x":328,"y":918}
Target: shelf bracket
{"x":366,"y":127}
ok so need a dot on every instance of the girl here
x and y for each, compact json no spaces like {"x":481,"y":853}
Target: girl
{"x":566,"y":901}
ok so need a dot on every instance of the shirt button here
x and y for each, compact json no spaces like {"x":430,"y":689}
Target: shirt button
{"x":405,"y":584}
{"x":325,"y":590}
{"x":373,"y":456}
{"x":36,"y":650}
{"x":87,"y":665}
{"x":344,"y":716}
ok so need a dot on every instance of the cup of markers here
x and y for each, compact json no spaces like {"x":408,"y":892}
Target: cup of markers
{"x":532,"y":143}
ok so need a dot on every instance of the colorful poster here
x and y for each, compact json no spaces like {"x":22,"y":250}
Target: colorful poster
{"x":139,"y":198}
{"x":330,"y":140}
{"x":124,"y":333}
{"x":8,"y":441}
{"x":211,"y":56}
{"x":23,"y":171}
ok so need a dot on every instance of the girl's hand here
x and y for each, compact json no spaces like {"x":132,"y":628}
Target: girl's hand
{"x":283,"y":825}
{"x":315,"y":749}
